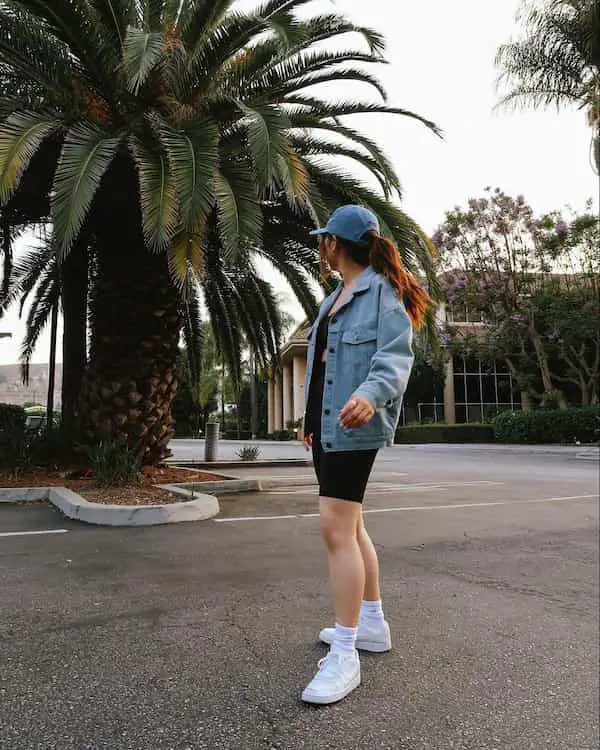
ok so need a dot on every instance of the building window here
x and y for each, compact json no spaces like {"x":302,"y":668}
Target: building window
{"x":482,"y":390}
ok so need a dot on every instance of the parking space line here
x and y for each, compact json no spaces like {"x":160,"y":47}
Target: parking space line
{"x":457,"y":506}
{"x":33,"y":533}
{"x":384,"y":488}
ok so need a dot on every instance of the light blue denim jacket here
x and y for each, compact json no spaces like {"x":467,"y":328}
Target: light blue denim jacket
{"x":369,"y":354}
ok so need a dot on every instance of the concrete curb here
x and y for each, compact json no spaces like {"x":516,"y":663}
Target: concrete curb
{"x":215,"y":466}
{"x":72,"y":505}
{"x":236,"y":486}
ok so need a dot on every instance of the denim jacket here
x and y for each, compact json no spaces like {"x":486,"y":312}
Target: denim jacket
{"x":369,"y":354}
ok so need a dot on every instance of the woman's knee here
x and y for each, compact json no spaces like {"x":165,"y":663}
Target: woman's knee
{"x":338,"y":531}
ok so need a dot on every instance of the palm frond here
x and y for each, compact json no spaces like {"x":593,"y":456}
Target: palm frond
{"x":158,"y":197}
{"x":74,"y":23}
{"x":116,"y":15}
{"x":86,"y":155}
{"x":142,"y":51}
{"x":186,"y":260}
{"x":555,"y":61}
{"x":20,"y":137}
{"x":47,"y":295}
{"x":33,"y":58}
{"x":343,"y":108}
{"x":192,"y":154}
{"x":239,"y":213}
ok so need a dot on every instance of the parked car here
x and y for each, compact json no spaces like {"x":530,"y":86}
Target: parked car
{"x":35,"y":424}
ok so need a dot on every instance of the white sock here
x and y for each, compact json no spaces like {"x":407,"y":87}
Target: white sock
{"x":371,"y":612}
{"x":344,"y":639}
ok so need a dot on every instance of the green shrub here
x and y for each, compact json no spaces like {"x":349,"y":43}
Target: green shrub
{"x":13,"y":439}
{"x":285,"y":435}
{"x":446,"y":433}
{"x":249,"y":453}
{"x":114,"y":464}
{"x":562,"y":426}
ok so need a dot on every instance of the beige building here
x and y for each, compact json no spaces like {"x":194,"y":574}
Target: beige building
{"x":472,"y":390}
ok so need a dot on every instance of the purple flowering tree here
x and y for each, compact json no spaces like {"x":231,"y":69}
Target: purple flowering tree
{"x":525,"y":290}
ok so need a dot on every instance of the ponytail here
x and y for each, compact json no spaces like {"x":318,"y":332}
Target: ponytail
{"x":385,"y":259}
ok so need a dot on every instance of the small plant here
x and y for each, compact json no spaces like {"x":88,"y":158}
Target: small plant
{"x":249,"y":453}
{"x":13,"y":440}
{"x":114,"y":464}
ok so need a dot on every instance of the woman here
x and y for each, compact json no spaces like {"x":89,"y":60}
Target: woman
{"x":359,"y":361}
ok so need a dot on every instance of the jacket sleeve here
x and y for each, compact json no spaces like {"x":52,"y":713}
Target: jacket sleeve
{"x":391,"y":364}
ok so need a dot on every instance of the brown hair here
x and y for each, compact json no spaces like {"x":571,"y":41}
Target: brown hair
{"x":383,"y":255}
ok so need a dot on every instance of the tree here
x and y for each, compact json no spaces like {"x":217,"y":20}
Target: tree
{"x":558,"y":60}
{"x":530,"y":289}
{"x":172,"y":139}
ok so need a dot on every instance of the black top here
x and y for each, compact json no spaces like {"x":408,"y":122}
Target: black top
{"x":314,"y":407}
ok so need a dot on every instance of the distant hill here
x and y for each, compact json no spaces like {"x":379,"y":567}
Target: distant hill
{"x":12,"y":390}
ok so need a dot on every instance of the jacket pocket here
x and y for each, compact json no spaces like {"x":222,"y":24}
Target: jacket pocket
{"x":359,"y":335}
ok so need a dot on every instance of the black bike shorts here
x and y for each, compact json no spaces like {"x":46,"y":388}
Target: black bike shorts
{"x":342,"y":475}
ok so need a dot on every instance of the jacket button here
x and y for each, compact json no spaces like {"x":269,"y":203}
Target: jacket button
{"x":330,"y":382}
{"x":327,"y":412}
{"x":328,"y":445}
{"x":334,"y":320}
{"x":332,"y":350}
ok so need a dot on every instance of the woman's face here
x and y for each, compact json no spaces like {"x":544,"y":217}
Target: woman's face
{"x":331,"y":250}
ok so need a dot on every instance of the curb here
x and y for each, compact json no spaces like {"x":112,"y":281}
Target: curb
{"x":237,"y":486}
{"x":72,"y":505}
{"x":277,"y":463}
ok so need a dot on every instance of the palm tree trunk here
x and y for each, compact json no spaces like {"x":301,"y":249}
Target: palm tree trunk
{"x":134,"y":324}
{"x":74,"y":290}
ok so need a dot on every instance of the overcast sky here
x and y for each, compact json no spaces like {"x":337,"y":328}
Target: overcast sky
{"x":441,"y":66}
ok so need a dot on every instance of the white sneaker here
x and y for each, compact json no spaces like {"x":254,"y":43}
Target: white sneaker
{"x":377,"y":639}
{"x":338,"y":675}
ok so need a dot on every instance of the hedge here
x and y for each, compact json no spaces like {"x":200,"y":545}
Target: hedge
{"x":562,"y":426}
{"x":446,"y":433}
{"x":12,"y":435}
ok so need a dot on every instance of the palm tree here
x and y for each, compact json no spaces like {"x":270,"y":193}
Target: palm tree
{"x":558,"y":60}
{"x":165,"y":138}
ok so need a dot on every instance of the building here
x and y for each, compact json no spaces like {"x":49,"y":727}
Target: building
{"x":471,"y":392}
{"x":14,"y":391}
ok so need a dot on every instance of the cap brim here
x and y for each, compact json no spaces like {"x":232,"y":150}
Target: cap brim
{"x":323,"y":230}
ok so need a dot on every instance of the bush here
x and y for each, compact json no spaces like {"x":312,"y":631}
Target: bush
{"x":13,"y":440}
{"x":114,"y":464}
{"x":562,"y":426}
{"x":285,"y":435}
{"x":249,"y":453}
{"x":446,"y":433}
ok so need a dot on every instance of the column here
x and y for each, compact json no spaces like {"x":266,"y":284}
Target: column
{"x":277,"y":418}
{"x":287,"y":396}
{"x":449,"y":398}
{"x":270,"y":406}
{"x":299,"y":374}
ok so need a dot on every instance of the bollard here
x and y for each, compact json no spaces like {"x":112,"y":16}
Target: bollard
{"x":211,"y":442}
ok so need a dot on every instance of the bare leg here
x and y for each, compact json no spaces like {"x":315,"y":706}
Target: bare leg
{"x":372,"y":590}
{"x":339,"y":526}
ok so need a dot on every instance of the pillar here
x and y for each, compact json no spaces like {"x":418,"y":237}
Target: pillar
{"x":277,"y":416}
{"x":449,"y":398}
{"x":271,"y":406}
{"x":288,"y":414}
{"x":298,"y":376}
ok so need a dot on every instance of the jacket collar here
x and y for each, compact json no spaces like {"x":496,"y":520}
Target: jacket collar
{"x":363,"y":282}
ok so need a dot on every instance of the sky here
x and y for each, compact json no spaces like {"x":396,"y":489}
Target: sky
{"x":441,"y":66}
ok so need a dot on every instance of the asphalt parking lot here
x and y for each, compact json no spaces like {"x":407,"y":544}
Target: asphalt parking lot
{"x":196,"y":636}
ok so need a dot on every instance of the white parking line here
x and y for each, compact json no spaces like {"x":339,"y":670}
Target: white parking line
{"x":383,"y":488}
{"x":32,"y":533}
{"x":456,"y":506}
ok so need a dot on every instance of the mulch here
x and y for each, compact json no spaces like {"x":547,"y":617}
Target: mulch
{"x":82,"y":481}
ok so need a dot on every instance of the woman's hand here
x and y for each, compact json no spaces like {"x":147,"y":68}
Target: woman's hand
{"x":307,"y":441}
{"x":357,"y":412}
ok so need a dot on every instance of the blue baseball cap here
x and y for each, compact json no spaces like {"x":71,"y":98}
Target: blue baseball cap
{"x":350,"y":223}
